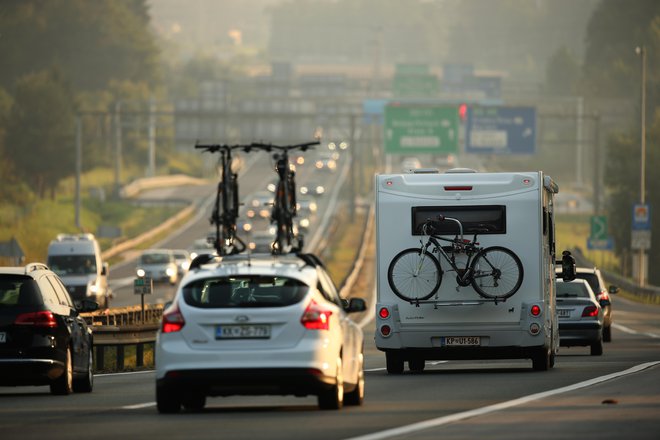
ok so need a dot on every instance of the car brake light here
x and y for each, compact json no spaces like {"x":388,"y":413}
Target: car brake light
{"x":38,"y":319}
{"x":173,"y":320}
{"x":590,"y":311}
{"x":535,"y":310}
{"x":384,"y":313}
{"x":603,"y":295}
{"x":316,"y":317}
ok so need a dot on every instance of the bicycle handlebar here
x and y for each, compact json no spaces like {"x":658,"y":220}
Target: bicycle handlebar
{"x":269,"y":147}
{"x":443,"y":218}
{"x":225,"y":147}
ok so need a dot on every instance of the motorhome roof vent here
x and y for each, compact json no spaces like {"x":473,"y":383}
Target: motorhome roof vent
{"x":425,"y":171}
{"x":460,"y":171}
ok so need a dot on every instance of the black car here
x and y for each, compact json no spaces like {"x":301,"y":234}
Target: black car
{"x":43,"y":338}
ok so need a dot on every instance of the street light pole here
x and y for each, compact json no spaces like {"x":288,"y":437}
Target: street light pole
{"x":641,"y":50}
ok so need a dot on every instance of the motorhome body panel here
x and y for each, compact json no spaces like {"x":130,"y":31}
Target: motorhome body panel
{"x":460,"y":311}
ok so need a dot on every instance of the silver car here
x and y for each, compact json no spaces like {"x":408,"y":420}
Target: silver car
{"x":580,"y":316}
{"x":159,"y":265}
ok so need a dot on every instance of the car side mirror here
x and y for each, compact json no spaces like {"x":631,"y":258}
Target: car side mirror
{"x":613,"y":289}
{"x":568,"y":270}
{"x":105,"y":269}
{"x":604,"y":302}
{"x":86,"y":305}
{"x":356,"y":305}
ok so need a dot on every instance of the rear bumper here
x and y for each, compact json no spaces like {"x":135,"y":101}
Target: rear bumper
{"x":19,"y":372}
{"x":579,"y":334}
{"x":249,"y":381}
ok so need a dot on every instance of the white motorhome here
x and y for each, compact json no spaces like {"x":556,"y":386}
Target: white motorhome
{"x":77,"y":260}
{"x":511,"y":210}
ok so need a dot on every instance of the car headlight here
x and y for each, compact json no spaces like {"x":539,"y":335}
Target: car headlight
{"x":92,"y":287}
{"x":252,"y":245}
{"x":141,"y":272}
{"x":247,"y":227}
{"x":170,"y":271}
{"x":304,"y":223}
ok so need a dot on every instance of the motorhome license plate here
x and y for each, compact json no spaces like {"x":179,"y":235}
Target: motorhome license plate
{"x":564,"y":313}
{"x":462,"y":340}
{"x":3,"y":337}
{"x":244,"y":331}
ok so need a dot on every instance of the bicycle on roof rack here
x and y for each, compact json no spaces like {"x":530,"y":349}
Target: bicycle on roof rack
{"x":284,"y":205}
{"x":225,"y":210}
{"x":415,"y":274}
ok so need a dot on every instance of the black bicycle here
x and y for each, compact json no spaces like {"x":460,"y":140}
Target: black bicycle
{"x":284,"y":205}
{"x":415,"y":274}
{"x":225,"y":211}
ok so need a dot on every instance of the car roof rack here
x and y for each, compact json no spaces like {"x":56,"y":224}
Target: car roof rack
{"x":31,"y":267}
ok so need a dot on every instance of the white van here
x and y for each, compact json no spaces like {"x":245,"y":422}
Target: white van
{"x":452,"y":319}
{"x":77,"y":261}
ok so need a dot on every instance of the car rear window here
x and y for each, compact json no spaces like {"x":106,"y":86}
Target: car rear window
{"x":591,"y":278}
{"x":244,"y":291}
{"x":18,"y":291}
{"x":572,"y":290}
{"x":155,"y":258}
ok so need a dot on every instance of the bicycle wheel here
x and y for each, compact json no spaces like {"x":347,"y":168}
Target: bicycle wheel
{"x":497,"y":272}
{"x":414,"y":275}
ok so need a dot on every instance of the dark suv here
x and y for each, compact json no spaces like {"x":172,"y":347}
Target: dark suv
{"x":597,"y":284}
{"x":43,"y":338}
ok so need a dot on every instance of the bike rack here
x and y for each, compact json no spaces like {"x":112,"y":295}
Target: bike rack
{"x":450,"y":303}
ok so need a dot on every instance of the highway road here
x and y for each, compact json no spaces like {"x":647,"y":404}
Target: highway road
{"x":449,"y":400}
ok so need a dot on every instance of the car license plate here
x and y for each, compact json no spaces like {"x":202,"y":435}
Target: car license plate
{"x":243,"y":331}
{"x":3,"y":337}
{"x":462,"y":340}
{"x":564,"y":313}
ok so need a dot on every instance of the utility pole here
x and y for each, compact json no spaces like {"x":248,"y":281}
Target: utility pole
{"x":78,"y":168}
{"x":642,"y":269}
{"x":152,"y":139}
{"x":118,"y":148}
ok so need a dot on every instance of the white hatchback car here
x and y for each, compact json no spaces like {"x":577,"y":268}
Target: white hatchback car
{"x":259,"y":325}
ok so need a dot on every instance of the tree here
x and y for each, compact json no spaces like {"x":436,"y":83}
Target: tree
{"x":562,"y":73}
{"x":39,"y":131}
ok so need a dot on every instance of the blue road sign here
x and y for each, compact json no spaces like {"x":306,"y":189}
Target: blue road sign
{"x":500,"y":130}
{"x":641,"y":217}
{"x":602,"y":244}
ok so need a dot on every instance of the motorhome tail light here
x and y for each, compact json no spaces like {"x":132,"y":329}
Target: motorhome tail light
{"x":384,"y":313}
{"x":385,"y":330}
{"x":535,"y":310}
{"x":534,"y":328}
{"x":37,"y":319}
{"x":316,"y":317}
{"x":458,"y":188}
{"x":173,"y":320}
{"x":590,"y":311}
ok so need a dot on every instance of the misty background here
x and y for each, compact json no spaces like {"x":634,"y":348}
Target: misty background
{"x":113,"y":65}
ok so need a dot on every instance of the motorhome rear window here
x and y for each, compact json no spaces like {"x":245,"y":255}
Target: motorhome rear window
{"x":489,"y":219}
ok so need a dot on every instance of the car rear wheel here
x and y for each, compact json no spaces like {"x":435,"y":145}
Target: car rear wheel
{"x":542,"y":360}
{"x":333,"y":398}
{"x":168,"y":401}
{"x":86,"y":384}
{"x":63,"y":385}
{"x":194,"y":401}
{"x":394,"y":362}
{"x":356,"y":397}
{"x":607,"y":334}
{"x":416,"y":365}
{"x":597,"y":348}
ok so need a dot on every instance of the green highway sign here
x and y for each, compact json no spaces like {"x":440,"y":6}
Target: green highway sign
{"x":421,"y":129}
{"x":598,"y":227}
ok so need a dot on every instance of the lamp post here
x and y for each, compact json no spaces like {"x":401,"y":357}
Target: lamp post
{"x":641,"y":50}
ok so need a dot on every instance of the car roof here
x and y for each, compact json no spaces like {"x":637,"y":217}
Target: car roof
{"x":30,"y":269}
{"x":288,"y":265}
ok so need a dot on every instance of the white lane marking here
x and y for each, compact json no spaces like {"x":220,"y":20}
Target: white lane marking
{"x":432,"y":423}
{"x":125,"y":373}
{"x":139,"y":405}
{"x":630,"y":331}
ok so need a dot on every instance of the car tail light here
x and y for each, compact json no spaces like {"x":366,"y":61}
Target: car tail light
{"x":173,"y":320}
{"x":37,"y":319}
{"x":590,"y":311}
{"x":384,"y":313}
{"x":535,"y":310}
{"x":534,"y":328}
{"x":316,"y":317}
{"x":385,"y":330}
{"x":603,"y":295}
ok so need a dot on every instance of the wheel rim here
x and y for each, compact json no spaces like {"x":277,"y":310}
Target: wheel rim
{"x":69,"y":370}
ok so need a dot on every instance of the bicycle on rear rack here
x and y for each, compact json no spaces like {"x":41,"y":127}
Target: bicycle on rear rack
{"x":284,"y":205}
{"x":225,"y":210}
{"x":415,"y":274}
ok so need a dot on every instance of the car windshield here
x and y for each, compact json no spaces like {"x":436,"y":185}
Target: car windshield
{"x":72,"y":264}
{"x":244,"y":291}
{"x":572,"y":290}
{"x":155,"y":259}
{"x":18,"y":291}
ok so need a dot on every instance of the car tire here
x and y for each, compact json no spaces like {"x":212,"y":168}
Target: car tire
{"x":333,"y":398}
{"x":85,"y":384}
{"x":168,"y":401}
{"x":63,"y":385}
{"x":607,"y":334}
{"x":356,"y":397}
{"x":416,"y":365}
{"x":597,"y":348}
{"x":194,"y":401}
{"x":394,"y":362}
{"x":541,"y":361}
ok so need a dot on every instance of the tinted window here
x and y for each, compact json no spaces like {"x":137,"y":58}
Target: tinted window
{"x":155,"y":258}
{"x":591,"y":278}
{"x":244,"y":291}
{"x":18,"y":291}
{"x":72,"y":264}
{"x":475,"y":219}
{"x":572,"y":290}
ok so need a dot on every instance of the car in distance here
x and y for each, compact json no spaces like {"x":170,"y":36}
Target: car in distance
{"x":580,"y":316}
{"x":43,"y":338}
{"x":259,"y":205}
{"x":182,"y":260}
{"x":259,"y":325}
{"x":159,"y":265}
{"x":594,"y":277}
{"x":312,"y":188}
